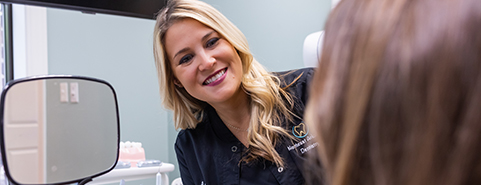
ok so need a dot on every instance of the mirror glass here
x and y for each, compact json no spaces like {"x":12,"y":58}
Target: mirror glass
{"x":59,"y":130}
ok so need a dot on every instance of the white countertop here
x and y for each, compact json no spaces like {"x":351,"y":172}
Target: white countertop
{"x":129,"y":174}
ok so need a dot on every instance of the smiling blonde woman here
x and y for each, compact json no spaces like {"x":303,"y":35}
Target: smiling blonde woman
{"x":240,"y":124}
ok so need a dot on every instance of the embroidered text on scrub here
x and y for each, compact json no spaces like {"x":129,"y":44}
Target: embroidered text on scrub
{"x":300,"y":143}
{"x":304,"y":150}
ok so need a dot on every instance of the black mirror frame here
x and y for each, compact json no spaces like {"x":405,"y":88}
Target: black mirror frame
{"x":2,"y":139}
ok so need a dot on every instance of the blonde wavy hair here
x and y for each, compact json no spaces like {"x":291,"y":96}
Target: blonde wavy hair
{"x":270,"y":104}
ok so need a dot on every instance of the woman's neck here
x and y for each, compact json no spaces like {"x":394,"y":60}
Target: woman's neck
{"x":235,"y":112}
{"x":236,"y":116}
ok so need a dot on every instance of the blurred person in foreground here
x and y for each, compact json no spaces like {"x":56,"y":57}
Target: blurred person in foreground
{"x":397,"y":95}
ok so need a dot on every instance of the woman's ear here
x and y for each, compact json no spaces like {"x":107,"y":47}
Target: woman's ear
{"x":177,"y":83}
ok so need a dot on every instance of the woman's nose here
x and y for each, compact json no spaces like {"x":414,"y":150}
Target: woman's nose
{"x":206,"y":61}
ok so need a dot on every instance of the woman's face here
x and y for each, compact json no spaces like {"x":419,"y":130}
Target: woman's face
{"x":203,"y":62}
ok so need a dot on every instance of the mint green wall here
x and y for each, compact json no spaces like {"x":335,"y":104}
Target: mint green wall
{"x":119,"y":50}
{"x":276,"y":29}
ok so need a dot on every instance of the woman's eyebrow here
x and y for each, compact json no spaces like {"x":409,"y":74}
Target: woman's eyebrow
{"x":207,"y":35}
{"x":203,"y":39}
{"x":179,"y":52}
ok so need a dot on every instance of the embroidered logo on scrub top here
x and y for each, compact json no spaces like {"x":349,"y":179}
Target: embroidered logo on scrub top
{"x":300,"y":131}
{"x":303,"y":145}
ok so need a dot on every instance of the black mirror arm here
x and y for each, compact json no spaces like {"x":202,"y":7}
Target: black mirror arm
{"x":85,"y":181}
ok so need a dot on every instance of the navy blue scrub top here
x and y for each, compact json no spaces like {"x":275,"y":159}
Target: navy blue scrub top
{"x":210,"y":153}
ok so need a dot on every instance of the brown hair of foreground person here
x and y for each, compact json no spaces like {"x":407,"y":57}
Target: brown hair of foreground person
{"x":397,"y":95}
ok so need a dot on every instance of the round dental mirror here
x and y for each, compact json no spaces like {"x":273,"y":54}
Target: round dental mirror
{"x":58,"y":129}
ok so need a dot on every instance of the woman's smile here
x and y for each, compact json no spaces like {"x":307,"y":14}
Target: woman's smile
{"x":216,"y":78}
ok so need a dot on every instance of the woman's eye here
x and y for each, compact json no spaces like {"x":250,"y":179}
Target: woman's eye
{"x":185,"y":59}
{"x":211,"y":42}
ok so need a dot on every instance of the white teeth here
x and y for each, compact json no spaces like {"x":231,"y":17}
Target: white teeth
{"x":215,"y":77}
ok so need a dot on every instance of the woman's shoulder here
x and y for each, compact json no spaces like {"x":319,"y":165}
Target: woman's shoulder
{"x":199,"y":128}
{"x":295,"y":76}
{"x":294,"y":71}
{"x":189,"y":135}
{"x":296,"y":81}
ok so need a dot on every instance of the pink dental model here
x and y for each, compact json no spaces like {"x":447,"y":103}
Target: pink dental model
{"x":131,"y":152}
